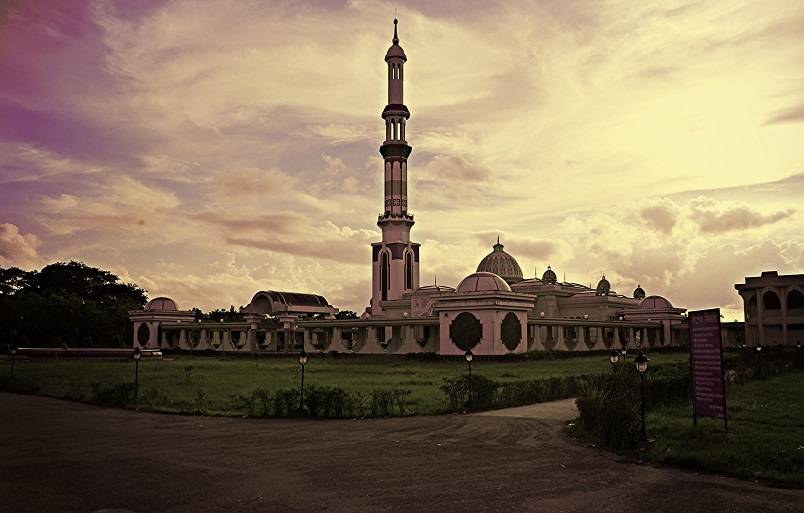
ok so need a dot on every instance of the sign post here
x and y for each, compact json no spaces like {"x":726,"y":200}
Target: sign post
{"x":706,"y":363}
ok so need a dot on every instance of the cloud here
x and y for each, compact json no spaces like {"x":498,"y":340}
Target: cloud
{"x":718,"y":217}
{"x":18,"y":249}
{"x":660,"y":216}
{"x":791,"y":115}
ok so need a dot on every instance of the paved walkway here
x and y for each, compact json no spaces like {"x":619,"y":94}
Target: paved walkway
{"x":557,"y":411}
{"x":57,"y":456}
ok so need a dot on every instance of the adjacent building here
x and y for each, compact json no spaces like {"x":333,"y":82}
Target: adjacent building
{"x":774,"y":308}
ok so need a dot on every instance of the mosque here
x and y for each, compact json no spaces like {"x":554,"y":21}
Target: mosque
{"x":494,"y":311}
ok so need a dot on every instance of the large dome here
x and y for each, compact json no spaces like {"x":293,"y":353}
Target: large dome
{"x":502,"y":264}
{"x":483,"y":282}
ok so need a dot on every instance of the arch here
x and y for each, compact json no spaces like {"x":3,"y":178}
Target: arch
{"x":511,"y":331}
{"x":408,"y":271}
{"x":385,"y":276}
{"x":795,"y":300}
{"x":465,"y":331}
{"x":770,"y":301}
{"x":751,"y":308}
{"x":143,"y":334}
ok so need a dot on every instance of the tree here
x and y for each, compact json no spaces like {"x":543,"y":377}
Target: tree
{"x":68,"y":303}
{"x":346,"y":314}
{"x":220,"y":315}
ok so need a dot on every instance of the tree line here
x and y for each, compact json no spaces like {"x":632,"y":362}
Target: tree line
{"x":73,"y":304}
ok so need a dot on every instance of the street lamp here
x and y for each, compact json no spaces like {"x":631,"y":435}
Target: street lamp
{"x":469,"y":356}
{"x":137,"y":356}
{"x":13,"y":357}
{"x":302,"y":363}
{"x":614,"y":357}
{"x":641,"y":362}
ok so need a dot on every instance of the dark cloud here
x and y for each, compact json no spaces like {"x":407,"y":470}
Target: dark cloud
{"x":713,"y":217}
{"x":790,"y":115}
{"x":661,"y":216}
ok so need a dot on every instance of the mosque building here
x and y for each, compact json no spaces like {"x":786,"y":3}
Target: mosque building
{"x":494,"y":311}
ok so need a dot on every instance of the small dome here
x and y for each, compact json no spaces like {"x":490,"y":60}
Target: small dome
{"x":502,"y":264}
{"x":655,"y":303}
{"x":482,"y":281}
{"x":603,"y":287}
{"x":549,"y":276}
{"x":162,"y":304}
{"x":639,"y":292}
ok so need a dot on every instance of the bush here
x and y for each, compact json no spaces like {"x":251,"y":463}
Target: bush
{"x":456,"y":391}
{"x":112,"y":394}
{"x":610,"y":415}
{"x":323,"y":402}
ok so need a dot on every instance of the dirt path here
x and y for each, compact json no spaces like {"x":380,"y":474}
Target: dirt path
{"x":58,"y":456}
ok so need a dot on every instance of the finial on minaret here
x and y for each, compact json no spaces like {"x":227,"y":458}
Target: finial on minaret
{"x":498,"y":239}
{"x":395,"y":40}
{"x":435,"y":279}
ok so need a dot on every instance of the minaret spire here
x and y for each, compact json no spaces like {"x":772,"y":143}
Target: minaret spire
{"x":395,"y":268}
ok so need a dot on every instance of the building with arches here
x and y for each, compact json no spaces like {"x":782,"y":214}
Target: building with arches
{"x":773,"y":305}
{"x":494,"y":311}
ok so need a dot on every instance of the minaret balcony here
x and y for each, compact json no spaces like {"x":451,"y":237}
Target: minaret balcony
{"x":395,"y":149}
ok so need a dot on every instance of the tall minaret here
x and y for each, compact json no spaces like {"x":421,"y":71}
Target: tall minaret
{"x":395,"y":260}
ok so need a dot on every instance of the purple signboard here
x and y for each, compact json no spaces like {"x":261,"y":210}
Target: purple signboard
{"x":706,"y":360}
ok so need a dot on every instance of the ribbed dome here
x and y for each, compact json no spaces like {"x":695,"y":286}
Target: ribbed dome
{"x":162,"y":304}
{"x":502,"y":264}
{"x":639,"y":292}
{"x":549,"y":276}
{"x":481,"y":282}
{"x":603,"y":287}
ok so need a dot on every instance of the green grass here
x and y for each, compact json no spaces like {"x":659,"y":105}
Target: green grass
{"x":765,"y":441}
{"x":219,"y":379}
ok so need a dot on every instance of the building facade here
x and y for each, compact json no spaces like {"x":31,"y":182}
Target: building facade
{"x":773,"y":305}
{"x":494,"y":311}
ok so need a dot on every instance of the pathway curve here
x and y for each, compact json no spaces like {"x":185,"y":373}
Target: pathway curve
{"x":58,"y":456}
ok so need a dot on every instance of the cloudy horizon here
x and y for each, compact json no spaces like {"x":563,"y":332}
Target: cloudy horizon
{"x":208,"y":150}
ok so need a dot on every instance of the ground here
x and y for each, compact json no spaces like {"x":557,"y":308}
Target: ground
{"x":221,"y":378}
{"x":61,"y":456}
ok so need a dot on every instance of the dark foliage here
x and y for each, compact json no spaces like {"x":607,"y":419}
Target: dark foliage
{"x":220,"y":315}
{"x":66,"y":303}
{"x":346,"y":314}
{"x":324,"y":402}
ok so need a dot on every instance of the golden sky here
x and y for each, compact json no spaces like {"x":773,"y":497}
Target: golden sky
{"x":207,"y":150}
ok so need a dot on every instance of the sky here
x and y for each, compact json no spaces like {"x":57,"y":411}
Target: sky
{"x":207,"y":150}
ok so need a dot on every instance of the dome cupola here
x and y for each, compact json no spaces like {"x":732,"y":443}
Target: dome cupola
{"x":549,"y":276}
{"x":483,"y":282}
{"x":603,"y":287}
{"x":639,"y":292}
{"x":502,"y":264}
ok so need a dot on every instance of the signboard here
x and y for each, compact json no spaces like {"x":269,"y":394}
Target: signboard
{"x":706,"y":362}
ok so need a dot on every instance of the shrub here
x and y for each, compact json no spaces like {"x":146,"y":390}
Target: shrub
{"x":610,"y":414}
{"x":112,"y":394}
{"x":456,"y":391}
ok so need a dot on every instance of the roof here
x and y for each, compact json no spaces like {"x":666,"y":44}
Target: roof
{"x":483,"y":282}
{"x":162,"y":304}
{"x":502,"y":264}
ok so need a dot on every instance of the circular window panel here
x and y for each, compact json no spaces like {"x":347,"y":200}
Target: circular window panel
{"x":465,"y":331}
{"x":511,"y":331}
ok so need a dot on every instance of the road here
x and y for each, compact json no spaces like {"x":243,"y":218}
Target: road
{"x":58,"y":456}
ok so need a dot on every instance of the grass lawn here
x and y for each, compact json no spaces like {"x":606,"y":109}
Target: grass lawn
{"x":765,"y":440}
{"x":219,"y":379}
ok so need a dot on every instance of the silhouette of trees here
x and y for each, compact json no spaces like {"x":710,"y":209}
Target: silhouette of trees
{"x":66,"y":303}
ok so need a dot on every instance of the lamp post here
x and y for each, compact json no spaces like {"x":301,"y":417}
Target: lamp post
{"x":137,"y":356}
{"x":469,"y":356}
{"x":13,"y":357}
{"x":641,"y":362}
{"x":614,"y":357}
{"x":302,"y":363}
{"x":798,"y":354}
